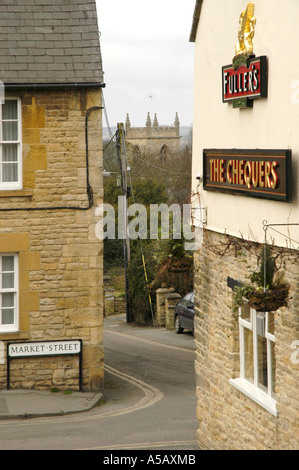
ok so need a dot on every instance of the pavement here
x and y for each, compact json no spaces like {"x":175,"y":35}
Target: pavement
{"x":16,"y":404}
{"x":22,"y":403}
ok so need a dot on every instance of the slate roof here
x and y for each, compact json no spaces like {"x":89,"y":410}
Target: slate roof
{"x":49,"y":41}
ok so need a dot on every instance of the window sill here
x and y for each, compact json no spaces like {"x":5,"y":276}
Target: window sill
{"x":13,"y":334}
{"x":9,"y":331}
{"x":260,"y":397}
{"x":16,"y":193}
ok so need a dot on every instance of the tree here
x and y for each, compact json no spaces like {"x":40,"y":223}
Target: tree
{"x":152,"y":181}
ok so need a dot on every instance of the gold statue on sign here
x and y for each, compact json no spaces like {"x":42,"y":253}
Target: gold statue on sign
{"x":247,"y":21}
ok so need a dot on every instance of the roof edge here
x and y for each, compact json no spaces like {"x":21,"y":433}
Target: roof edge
{"x":196,"y":15}
{"x":55,"y":85}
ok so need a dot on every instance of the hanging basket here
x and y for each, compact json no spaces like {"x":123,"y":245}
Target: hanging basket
{"x":269,"y":300}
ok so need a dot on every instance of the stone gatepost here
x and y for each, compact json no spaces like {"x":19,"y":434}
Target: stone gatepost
{"x":109,"y":302}
{"x":160,"y":305}
{"x":171,"y":300}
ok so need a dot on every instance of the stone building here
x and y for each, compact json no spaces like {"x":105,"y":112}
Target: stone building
{"x":153,"y":138}
{"x":245,"y":178}
{"x":50,"y":180}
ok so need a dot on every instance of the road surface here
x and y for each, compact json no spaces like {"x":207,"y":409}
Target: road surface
{"x":149,"y":400}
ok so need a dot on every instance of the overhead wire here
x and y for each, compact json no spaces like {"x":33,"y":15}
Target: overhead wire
{"x":106,"y":146}
{"x":160,"y":167}
{"x":106,"y":115}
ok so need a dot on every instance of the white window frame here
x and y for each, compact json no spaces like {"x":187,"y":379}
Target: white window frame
{"x":12,"y":327}
{"x":252,"y":390}
{"x":11,"y":185}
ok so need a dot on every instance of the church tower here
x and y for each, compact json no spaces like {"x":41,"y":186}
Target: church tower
{"x":153,"y":138}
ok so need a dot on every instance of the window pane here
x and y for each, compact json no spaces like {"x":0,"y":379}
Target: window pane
{"x":273,"y":365}
{"x":260,"y":323}
{"x":262,"y":362}
{"x":9,"y":130}
{"x":9,"y":172}
{"x":8,"y":280}
{"x":8,"y":272}
{"x":8,"y":299}
{"x":9,"y":153}
{"x":8,"y":316}
{"x":245,"y":312}
{"x":10,"y":163}
{"x":8,"y":263}
{"x":10,"y":109}
{"x":248,"y":355}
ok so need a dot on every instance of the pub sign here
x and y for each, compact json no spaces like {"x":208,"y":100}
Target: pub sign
{"x":244,"y":81}
{"x":257,"y":172}
{"x":247,"y":77}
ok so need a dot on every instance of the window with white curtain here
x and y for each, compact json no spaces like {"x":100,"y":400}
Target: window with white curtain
{"x":10,"y":145}
{"x":257,"y":357}
{"x":9,"y":292}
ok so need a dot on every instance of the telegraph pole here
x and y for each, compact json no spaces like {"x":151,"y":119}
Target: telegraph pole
{"x":120,"y":135}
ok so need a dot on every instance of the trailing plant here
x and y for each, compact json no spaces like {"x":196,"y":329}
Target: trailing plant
{"x":240,"y":292}
{"x":264,"y":276}
{"x":267,"y":289}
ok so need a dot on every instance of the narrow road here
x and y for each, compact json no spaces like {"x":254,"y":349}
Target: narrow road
{"x":149,"y":399}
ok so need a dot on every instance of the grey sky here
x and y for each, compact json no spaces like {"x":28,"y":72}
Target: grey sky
{"x":147,"y":59}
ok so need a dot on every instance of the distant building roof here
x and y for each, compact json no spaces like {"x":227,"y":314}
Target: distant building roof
{"x":49,"y":41}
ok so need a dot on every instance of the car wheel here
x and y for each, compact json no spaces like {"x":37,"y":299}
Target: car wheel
{"x":177,"y":326}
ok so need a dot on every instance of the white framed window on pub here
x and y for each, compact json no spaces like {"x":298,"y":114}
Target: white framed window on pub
{"x":257,"y":357}
{"x":9,"y":292}
{"x":10,"y":144}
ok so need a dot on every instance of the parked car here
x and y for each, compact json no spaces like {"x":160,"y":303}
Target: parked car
{"x":184,"y":314}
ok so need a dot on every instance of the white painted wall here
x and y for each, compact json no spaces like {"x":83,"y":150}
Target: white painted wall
{"x":272,"y":123}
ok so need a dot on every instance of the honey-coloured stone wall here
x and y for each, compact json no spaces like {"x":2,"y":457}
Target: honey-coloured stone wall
{"x":49,"y":224}
{"x":228,"y":419}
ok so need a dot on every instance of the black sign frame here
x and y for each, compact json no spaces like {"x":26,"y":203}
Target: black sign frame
{"x":263,"y":79}
{"x":283,"y":158}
